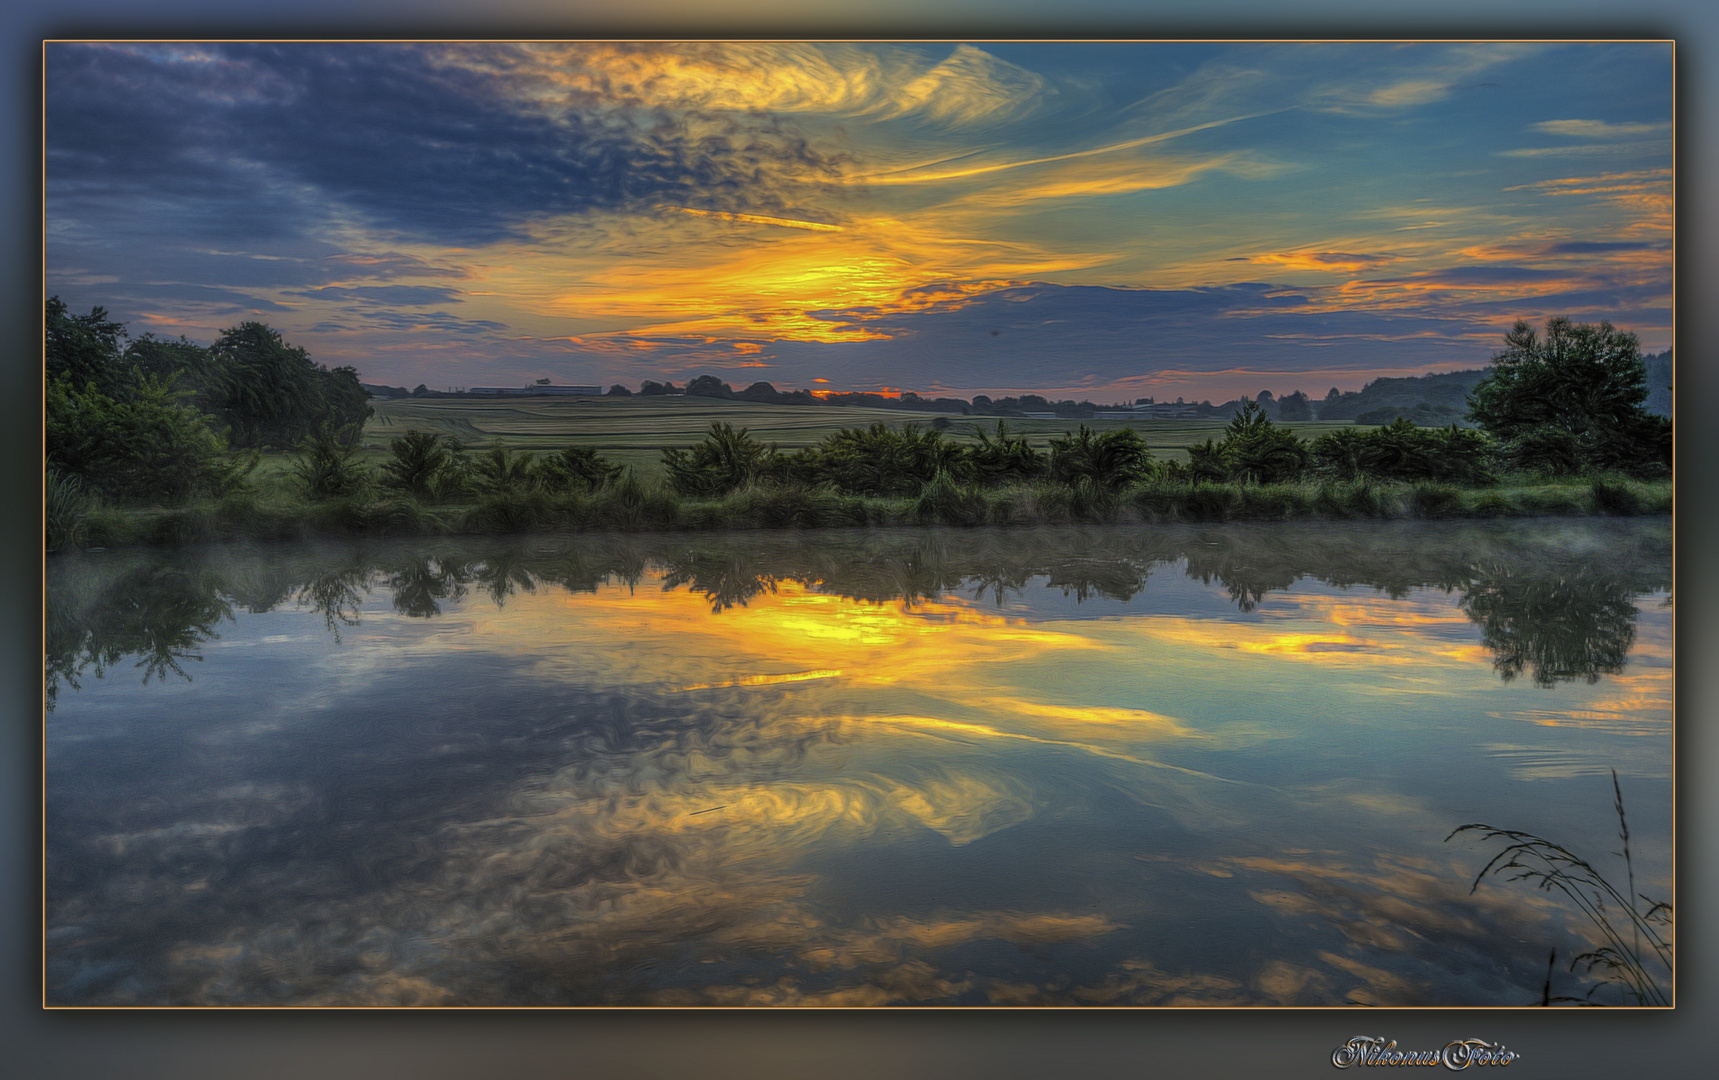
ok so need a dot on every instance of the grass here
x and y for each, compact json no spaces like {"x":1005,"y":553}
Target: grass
{"x":1634,"y":956}
{"x":638,"y":502}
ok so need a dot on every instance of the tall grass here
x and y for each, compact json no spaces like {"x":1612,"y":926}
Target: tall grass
{"x":945,"y":502}
{"x":452,"y":500}
{"x":1635,"y":956}
{"x":66,"y":508}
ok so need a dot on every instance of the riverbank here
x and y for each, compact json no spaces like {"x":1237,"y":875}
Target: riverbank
{"x":632,"y":505}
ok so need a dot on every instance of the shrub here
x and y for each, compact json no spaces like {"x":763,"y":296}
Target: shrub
{"x":1340,"y":453}
{"x":1005,"y":459}
{"x":880,"y":460}
{"x":1206,"y":463}
{"x":425,"y":465}
{"x":501,"y":471}
{"x":1111,"y":460}
{"x":1402,"y":451}
{"x":148,"y":447}
{"x":1549,"y":450}
{"x":727,"y":459}
{"x":574,"y":468}
{"x":326,"y":466}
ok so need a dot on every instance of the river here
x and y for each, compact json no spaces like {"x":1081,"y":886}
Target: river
{"x":1166,"y":766}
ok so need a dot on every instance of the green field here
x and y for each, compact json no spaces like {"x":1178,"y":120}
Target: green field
{"x":633,"y":431}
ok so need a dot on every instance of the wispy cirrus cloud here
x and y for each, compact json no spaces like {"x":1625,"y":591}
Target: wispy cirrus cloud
{"x":1600,"y":129}
{"x":699,"y":202}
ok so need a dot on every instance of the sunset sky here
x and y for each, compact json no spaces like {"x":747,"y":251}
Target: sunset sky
{"x":1107,"y":221}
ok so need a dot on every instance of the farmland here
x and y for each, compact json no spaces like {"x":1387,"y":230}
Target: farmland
{"x":633,"y":431}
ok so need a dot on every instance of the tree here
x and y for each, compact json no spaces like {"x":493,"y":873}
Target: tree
{"x":1579,"y":387}
{"x":708,"y":386}
{"x":83,"y":349}
{"x":272,"y":393}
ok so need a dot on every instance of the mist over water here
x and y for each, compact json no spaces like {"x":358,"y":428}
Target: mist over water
{"x":1172,"y":766}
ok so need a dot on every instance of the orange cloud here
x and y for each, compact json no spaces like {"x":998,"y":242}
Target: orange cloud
{"x":1328,"y":261}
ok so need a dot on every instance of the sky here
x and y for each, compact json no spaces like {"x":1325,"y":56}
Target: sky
{"x":1107,"y":221}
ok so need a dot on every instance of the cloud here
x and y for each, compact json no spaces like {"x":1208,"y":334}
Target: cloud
{"x":436,"y":321}
{"x":401,"y":295}
{"x":650,"y":208}
{"x":426,"y":149}
{"x":1600,"y":129}
{"x":967,"y":87}
{"x":392,"y":264}
{"x":1622,"y":149}
{"x":1346,"y":262}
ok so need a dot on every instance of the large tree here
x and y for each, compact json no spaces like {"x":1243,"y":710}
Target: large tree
{"x":275,"y":395}
{"x":1577,"y":388}
{"x":83,"y":349}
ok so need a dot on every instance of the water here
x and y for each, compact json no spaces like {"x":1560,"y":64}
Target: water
{"x":1210,"y":766}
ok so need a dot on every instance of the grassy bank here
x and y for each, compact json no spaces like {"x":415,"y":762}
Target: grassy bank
{"x":633,"y":504}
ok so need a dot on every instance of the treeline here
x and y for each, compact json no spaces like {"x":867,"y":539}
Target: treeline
{"x":1568,"y":404}
{"x":153,"y":419}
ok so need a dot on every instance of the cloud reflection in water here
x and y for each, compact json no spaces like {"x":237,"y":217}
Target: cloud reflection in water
{"x":566,"y":773}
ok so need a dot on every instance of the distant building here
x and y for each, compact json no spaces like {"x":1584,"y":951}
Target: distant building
{"x":534,"y":391}
{"x":1165,"y":410}
{"x":1040,"y":415}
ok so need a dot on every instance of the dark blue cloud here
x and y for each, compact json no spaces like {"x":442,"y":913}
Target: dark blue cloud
{"x":435,"y":321}
{"x":125,"y":301}
{"x":405,"y":295}
{"x":387,"y":265}
{"x":1594,"y":247}
{"x":261,"y":138}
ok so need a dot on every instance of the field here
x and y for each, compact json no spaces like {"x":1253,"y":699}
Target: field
{"x":633,"y":431}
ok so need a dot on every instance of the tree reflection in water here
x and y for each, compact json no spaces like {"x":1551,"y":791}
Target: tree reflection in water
{"x":1558,"y":608}
{"x":1561,"y":622}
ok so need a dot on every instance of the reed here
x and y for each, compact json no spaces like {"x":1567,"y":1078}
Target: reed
{"x":1634,"y":955}
{"x":1432,"y":500}
{"x":66,"y":510}
{"x":1615,"y":496}
{"x":632,"y":502}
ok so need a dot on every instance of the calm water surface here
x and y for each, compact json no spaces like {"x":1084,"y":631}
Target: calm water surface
{"x":1211,"y":766}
